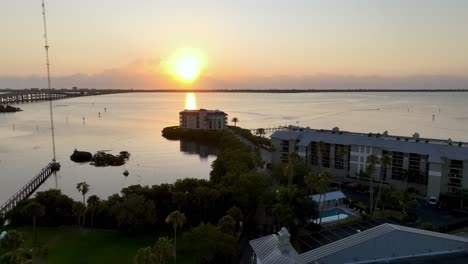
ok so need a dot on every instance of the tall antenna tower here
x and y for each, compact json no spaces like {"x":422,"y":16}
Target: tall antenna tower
{"x":46,"y":46}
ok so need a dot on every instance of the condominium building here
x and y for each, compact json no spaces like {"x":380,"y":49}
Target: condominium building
{"x":203,"y":119}
{"x":431,"y":166}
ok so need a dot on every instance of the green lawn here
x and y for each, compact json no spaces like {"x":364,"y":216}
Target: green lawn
{"x":73,"y":245}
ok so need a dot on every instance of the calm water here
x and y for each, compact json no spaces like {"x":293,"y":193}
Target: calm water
{"x":133,"y":122}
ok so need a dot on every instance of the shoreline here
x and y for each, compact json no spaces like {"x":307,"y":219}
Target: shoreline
{"x":112,"y":91}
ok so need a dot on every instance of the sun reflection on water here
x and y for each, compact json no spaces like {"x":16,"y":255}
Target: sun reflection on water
{"x":190,"y":101}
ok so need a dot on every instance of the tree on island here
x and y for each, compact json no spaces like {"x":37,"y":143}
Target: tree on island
{"x":235,"y":120}
{"x":177,"y":219}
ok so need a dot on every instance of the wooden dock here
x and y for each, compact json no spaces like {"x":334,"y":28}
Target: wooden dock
{"x":29,"y":188}
{"x":268,"y":130}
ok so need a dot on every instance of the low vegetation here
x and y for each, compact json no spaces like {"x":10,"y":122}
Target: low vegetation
{"x":9,"y":109}
{"x":101,"y":158}
{"x":259,"y":140}
{"x":81,"y":156}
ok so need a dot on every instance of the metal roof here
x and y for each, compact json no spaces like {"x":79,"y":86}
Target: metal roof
{"x":435,"y":149}
{"x":329,"y":196}
{"x":337,"y":246}
{"x":286,"y":135}
{"x":267,"y":250}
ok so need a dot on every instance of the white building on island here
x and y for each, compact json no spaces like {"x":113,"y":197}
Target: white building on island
{"x":203,"y":119}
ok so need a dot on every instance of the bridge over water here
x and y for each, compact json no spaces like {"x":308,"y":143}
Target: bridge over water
{"x":26,"y":96}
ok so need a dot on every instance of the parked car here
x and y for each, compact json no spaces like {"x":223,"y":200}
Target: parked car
{"x":432,"y":201}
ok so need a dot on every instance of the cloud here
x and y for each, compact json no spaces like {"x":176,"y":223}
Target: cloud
{"x":149,"y":74}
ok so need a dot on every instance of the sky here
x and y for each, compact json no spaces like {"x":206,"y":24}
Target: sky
{"x":244,"y":44}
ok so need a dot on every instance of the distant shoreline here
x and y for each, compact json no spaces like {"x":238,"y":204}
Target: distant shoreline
{"x":296,"y":90}
{"x":111,"y":91}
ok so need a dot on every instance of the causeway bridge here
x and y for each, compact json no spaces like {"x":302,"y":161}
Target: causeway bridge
{"x":32,"y":95}
{"x":26,"y":96}
{"x":29,"y":188}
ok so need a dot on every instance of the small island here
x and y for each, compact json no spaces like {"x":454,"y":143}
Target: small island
{"x":9,"y":109}
{"x":101,"y":158}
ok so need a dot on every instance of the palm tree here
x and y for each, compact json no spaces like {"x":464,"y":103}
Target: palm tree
{"x":342,"y":152}
{"x":322,"y":188}
{"x":260,"y":132}
{"x":235,"y":120}
{"x":310,"y":180}
{"x":405,"y":199}
{"x":83,"y":188}
{"x":385,"y":161}
{"x":36,"y":210}
{"x":372,"y":161}
{"x":290,"y":169}
{"x":163,"y":250}
{"x":178,"y":220}
{"x":145,"y":256}
{"x":319,"y":184}
{"x":93,"y":202}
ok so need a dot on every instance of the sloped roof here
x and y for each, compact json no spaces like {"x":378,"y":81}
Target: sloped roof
{"x":267,"y":250}
{"x":286,"y":135}
{"x":329,"y":196}
{"x":359,"y":238}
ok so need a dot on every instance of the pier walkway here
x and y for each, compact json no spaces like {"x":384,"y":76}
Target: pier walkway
{"x":29,"y":188}
{"x":268,"y":130}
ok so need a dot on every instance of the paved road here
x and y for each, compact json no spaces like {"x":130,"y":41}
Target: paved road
{"x":265,"y":154}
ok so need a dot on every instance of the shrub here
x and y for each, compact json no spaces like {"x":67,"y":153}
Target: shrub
{"x":81,"y":156}
{"x":410,"y":218}
{"x":427,"y":226}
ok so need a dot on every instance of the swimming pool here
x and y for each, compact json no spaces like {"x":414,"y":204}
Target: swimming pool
{"x":332,"y":215}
